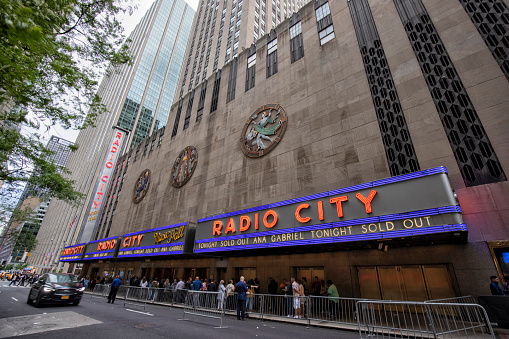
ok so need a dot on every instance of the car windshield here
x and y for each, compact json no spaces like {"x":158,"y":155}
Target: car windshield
{"x":61,"y":278}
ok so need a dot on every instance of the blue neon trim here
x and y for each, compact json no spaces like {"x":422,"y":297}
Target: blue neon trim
{"x":149,"y":254}
{"x":152,"y":246}
{"x":369,"y":220}
{"x":75,"y":245}
{"x":88,"y":253}
{"x":156,"y":229}
{"x":92,"y":242}
{"x":99,"y":258}
{"x":346,"y":238}
{"x":386,"y":181}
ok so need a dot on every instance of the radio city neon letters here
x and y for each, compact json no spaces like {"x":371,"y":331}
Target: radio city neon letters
{"x":131,"y":241}
{"x":106,"y":245}
{"x":245,"y":221}
{"x":109,"y":164}
{"x":73,"y":250}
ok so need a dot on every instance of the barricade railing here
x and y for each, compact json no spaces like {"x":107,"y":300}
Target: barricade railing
{"x":387,"y":319}
{"x":468,"y":299}
{"x":100,"y":291}
{"x":137,"y":296}
{"x":204,"y":304}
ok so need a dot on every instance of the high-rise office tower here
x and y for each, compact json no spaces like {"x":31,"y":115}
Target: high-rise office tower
{"x":138,"y":98}
{"x":222,"y":28}
{"x":31,"y":198}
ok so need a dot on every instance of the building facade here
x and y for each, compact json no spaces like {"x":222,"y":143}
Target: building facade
{"x":359,"y":141}
{"x":222,"y":29}
{"x":138,"y":98}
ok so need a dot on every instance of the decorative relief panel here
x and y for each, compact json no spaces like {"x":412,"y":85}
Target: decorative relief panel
{"x":141,"y":187}
{"x":184,"y":166}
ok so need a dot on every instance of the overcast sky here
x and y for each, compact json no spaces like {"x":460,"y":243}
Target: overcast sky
{"x":129,"y":22}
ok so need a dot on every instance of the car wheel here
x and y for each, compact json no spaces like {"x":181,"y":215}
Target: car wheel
{"x":29,"y":300}
{"x":38,"y":300}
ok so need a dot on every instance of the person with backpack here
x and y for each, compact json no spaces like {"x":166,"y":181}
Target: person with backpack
{"x":289,"y":297}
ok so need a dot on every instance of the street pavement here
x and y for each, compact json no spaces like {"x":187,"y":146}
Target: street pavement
{"x":94,"y":318}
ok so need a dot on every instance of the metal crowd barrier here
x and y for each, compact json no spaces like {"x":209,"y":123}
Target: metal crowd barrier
{"x":205,"y":304}
{"x":387,"y":319}
{"x":137,"y":296}
{"x":457,"y":300}
{"x":100,"y":291}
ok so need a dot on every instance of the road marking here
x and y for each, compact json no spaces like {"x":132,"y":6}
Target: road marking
{"x":39,"y":323}
{"x":146,"y":313}
{"x":14,"y":299}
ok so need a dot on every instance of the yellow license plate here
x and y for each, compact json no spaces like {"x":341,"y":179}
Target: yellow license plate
{"x":65,"y":297}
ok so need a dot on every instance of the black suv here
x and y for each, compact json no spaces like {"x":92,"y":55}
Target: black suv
{"x":56,"y":288}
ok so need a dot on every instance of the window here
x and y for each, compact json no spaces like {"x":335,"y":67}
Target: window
{"x":177,"y":118}
{"x":296,"y":42}
{"x":187,"y":119}
{"x":202,"y":101}
{"x":232,"y":81}
{"x":324,"y":24}
{"x":326,"y":35}
{"x":215,"y":92}
{"x":250,"y":73}
{"x":272,"y":58}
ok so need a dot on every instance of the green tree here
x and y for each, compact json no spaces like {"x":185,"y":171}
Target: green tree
{"x":52,"y":55}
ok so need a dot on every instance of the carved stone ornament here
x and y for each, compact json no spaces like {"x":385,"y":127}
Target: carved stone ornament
{"x":141,"y":186}
{"x":263,"y":130}
{"x":184,"y":166}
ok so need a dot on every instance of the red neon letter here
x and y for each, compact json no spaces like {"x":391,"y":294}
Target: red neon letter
{"x":230,"y":227}
{"x":104,"y":178}
{"x":216,"y":229}
{"x":114,"y":149}
{"x":244,"y":219}
{"x":297,"y":213}
{"x":139,"y":239}
{"x":256,"y":221}
{"x":367,"y":201}
{"x":320,"y":209}
{"x":338,"y":201}
{"x":126,"y":245}
{"x":273,"y":223}
{"x":119,"y":135}
{"x":97,"y":204}
{"x":109,"y":164}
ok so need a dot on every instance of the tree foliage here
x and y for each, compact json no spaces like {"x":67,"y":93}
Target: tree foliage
{"x":53,"y":54}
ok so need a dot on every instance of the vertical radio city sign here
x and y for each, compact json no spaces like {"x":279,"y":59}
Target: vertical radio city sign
{"x":114,"y":150}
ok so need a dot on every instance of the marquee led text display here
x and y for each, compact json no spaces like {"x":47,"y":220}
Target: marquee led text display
{"x":101,"y":249}
{"x":167,"y":240}
{"x":412,"y":204}
{"x":72,"y":253}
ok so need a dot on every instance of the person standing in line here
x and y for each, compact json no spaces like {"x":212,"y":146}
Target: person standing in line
{"x":241,"y":289}
{"x":221,"y":291}
{"x":494,"y":287}
{"x":289,"y":298}
{"x":296,"y":298}
{"x":230,"y":290}
{"x":115,"y":284}
{"x":333,"y":294}
{"x":180,"y":293}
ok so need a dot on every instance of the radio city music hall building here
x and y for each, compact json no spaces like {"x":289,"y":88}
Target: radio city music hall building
{"x":360,"y":141}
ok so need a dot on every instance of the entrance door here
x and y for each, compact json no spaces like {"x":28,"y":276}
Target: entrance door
{"x":309,"y":273}
{"x":409,"y":283}
{"x":247,"y":272}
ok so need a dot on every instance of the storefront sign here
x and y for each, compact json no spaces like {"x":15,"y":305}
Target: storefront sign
{"x":412,"y":204}
{"x":72,"y":253}
{"x":115,"y":148}
{"x":167,"y":240}
{"x":101,"y":249}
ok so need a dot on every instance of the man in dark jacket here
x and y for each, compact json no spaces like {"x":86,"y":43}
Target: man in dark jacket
{"x":241,"y":289}
{"x":494,"y":287}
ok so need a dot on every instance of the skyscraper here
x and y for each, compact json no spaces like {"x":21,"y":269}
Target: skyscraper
{"x":138,"y":97}
{"x":30,"y":198}
{"x":222,"y":28}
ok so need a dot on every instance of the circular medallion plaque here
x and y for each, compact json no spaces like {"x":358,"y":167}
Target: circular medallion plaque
{"x":141,"y":186}
{"x":184,"y":166}
{"x":263,"y":130}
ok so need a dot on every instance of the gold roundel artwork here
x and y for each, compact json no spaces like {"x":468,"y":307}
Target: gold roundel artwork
{"x":184,"y":166}
{"x":263,"y":130}
{"x":141,"y":186}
